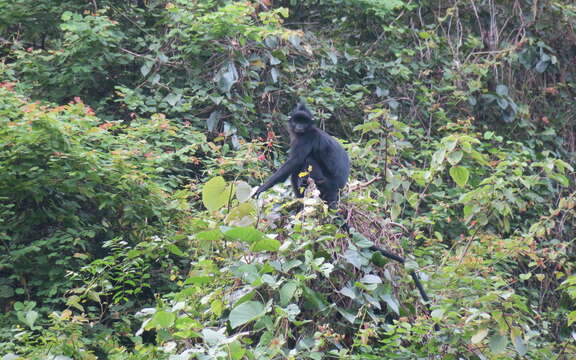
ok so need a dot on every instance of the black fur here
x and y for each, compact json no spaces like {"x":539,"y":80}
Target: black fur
{"x":312,"y":149}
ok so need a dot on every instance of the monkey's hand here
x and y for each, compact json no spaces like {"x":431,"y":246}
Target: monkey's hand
{"x":257,"y":194}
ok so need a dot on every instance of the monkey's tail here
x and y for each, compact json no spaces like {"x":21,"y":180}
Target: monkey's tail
{"x":413,"y":273}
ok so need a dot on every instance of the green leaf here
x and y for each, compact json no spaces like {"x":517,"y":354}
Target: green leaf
{"x":215,"y":193}
{"x":469,"y":210}
{"x":349,"y":292}
{"x":479,"y":336}
{"x":450,"y":142}
{"x":241,"y":215}
{"x":212,"y":337}
{"x":498,"y":343}
{"x":525,"y":277}
{"x":392,"y":303}
{"x":6,"y":291}
{"x":378,"y":259}
{"x":74,"y":301}
{"x":210,"y":235}
{"x":571,"y":318}
{"x":351,"y":317}
{"x":355,"y":258}
{"x":31,"y":317}
{"x":563,"y":180}
{"x":162,"y":319}
{"x":243,"y":191}
{"x":245,"y":313}
{"x":226,"y":81}
{"x":287,"y":292}
{"x":295,"y":41}
{"x":236,"y":350}
{"x":371,"y":279}
{"x":245,"y":234}
{"x":213,"y":120}
{"x":518,"y":341}
{"x":274,"y":73}
{"x":438,"y":158}
{"x":146,"y":68}
{"x":333,"y":57}
{"x":503,"y":103}
{"x":542,"y":65}
{"x":67,"y":15}
{"x":176,"y":250}
{"x":266,"y":244}
{"x":437,"y":314}
{"x":217,"y":306}
{"x":274,"y":60}
{"x":460,"y":175}
{"x":502,"y":90}
{"x":172,"y":98}
{"x":313,"y":298}
{"x":455,"y":157}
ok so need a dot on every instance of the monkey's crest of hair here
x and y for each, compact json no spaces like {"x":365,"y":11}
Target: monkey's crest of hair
{"x":301,"y":112}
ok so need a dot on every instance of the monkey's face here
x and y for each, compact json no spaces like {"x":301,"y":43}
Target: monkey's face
{"x":300,"y":125}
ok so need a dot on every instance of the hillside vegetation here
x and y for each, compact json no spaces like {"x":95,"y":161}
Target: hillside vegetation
{"x":133,"y":133}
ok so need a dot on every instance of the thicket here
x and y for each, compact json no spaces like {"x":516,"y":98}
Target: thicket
{"x":132,"y":132}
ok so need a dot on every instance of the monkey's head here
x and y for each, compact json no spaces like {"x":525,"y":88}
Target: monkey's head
{"x":301,"y":119}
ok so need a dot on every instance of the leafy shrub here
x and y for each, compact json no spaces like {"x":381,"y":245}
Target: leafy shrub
{"x":67,"y":186}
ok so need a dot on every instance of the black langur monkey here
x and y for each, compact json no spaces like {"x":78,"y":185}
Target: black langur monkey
{"x":313,"y":151}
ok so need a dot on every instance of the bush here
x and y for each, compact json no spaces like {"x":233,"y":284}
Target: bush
{"x":66,"y":187}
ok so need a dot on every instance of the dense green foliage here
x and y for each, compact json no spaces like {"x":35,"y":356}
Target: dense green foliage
{"x":132,"y":133}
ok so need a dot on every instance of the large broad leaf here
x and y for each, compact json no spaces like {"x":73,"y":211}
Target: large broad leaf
{"x":212,"y":337}
{"x":245,"y":313}
{"x":437,"y":314}
{"x":266,"y":244}
{"x":236,"y":350}
{"x":243,"y":191}
{"x":498,"y":343}
{"x":287,"y":292}
{"x":162,"y":320}
{"x":314,"y":299}
{"x":391,"y":302}
{"x":295,"y":41}
{"x":274,"y":74}
{"x":31,"y":317}
{"x":351,"y":317}
{"x":438,"y":158}
{"x":216,"y":193}
{"x":245,"y":234}
{"x":542,"y":65}
{"x":355,"y":258}
{"x":455,"y":157}
{"x":6,"y":291}
{"x":502,"y":90}
{"x":213,"y":120}
{"x":479,"y":336}
{"x":518,"y":341}
{"x":209,"y":235}
{"x":252,"y":236}
{"x":371,"y":279}
{"x":146,"y":68}
{"x":225,"y":81}
{"x":242,"y":215}
{"x":227,"y":78}
{"x":172,"y":98}
{"x":460,"y":175}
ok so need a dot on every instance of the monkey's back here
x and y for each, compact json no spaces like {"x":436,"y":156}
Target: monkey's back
{"x":332,"y":157}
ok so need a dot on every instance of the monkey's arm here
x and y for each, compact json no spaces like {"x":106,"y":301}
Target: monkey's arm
{"x":298,"y":155}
